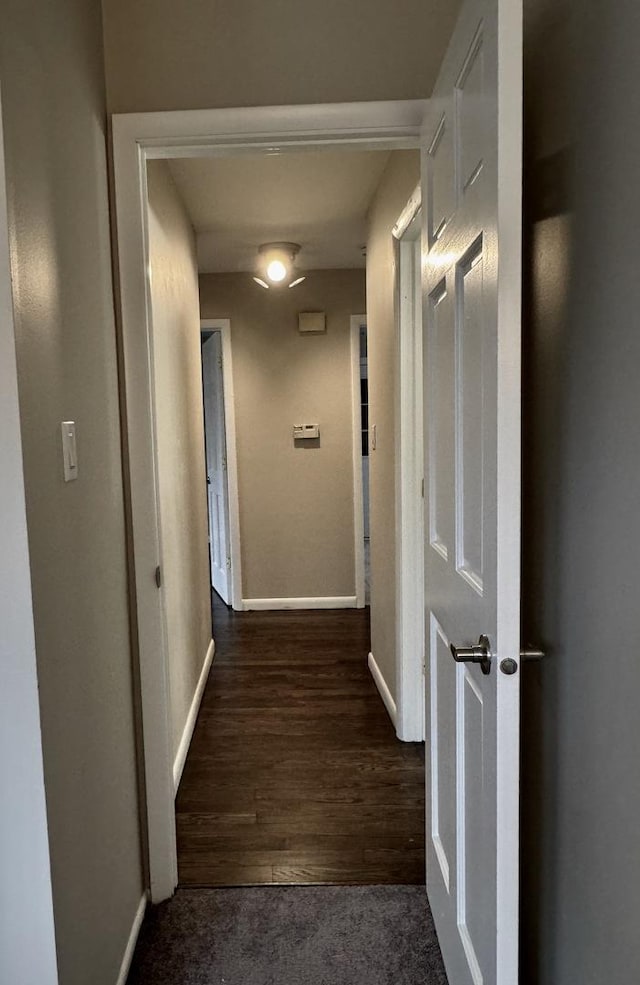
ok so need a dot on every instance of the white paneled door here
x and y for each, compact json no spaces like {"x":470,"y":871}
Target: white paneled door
{"x":471,"y":297}
{"x":216,"y":450}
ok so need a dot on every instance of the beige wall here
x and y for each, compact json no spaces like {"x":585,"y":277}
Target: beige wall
{"x":581,"y":471}
{"x":398,"y":182}
{"x":198,"y":54}
{"x":179,"y":441}
{"x":296,"y":504}
{"x":54,"y":115}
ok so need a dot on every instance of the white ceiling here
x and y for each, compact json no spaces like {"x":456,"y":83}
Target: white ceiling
{"x":318,"y":199}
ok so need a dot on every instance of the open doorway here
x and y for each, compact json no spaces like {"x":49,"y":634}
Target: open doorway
{"x":305,"y":455}
{"x":364,"y":429}
{"x":221,"y":461}
{"x":216,"y":458}
{"x":301,"y":399}
{"x":361,"y":473}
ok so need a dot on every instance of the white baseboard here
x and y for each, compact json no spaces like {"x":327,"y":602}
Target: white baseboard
{"x":131,"y":943}
{"x":322,"y":602}
{"x":381,"y":684}
{"x":185,"y":741}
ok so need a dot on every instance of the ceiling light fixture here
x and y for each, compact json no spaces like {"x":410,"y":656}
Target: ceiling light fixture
{"x":276,"y":265}
{"x":276,"y":271}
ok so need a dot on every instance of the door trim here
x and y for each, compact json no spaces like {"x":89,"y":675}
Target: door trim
{"x":410,"y":618}
{"x":136,"y":138}
{"x":358,"y":489}
{"x":223,"y":325}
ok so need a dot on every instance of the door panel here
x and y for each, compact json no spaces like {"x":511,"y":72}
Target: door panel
{"x":441,"y":461}
{"x":470,"y":425}
{"x":471,"y":302}
{"x":440,"y":180}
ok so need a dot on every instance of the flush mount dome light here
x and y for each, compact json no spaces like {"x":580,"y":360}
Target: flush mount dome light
{"x":276,"y":265}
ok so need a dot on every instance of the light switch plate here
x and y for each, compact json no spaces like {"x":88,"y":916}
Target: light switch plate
{"x":69,"y":452}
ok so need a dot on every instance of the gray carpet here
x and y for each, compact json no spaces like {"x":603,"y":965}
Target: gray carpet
{"x":298,"y":935}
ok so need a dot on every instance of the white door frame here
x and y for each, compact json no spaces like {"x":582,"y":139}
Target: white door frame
{"x":410,"y":609}
{"x":138,"y":137}
{"x":358,"y":490}
{"x":223,"y":325}
{"x":27,"y":938}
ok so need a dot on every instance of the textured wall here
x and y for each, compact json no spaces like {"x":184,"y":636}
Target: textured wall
{"x":179,"y":442}
{"x":199,"y":54}
{"x":296,"y":504}
{"x":399,"y":181}
{"x":54,"y":116}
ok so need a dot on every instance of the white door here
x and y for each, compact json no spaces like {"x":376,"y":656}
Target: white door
{"x":216,"y":449}
{"x":471,"y":298}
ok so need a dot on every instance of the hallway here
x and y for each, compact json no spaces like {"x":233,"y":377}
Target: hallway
{"x":295,"y":775}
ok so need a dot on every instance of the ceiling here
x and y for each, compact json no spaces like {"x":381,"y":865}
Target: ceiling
{"x":317,"y":198}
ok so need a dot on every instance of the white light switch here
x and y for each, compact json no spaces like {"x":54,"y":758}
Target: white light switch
{"x":69,"y":454}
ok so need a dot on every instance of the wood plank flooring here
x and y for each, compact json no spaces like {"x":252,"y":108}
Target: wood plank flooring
{"x":295,"y":775}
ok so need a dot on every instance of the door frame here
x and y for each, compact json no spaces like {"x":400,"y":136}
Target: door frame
{"x":409,"y":501}
{"x":136,"y":138}
{"x":358,"y":486}
{"x":223,"y":325}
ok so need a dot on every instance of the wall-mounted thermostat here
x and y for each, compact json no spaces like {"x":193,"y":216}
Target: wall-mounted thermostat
{"x":303,"y":432}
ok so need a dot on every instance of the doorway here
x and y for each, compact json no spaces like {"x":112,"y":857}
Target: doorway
{"x":137,"y":139}
{"x":221,"y":460}
{"x":364,"y":436}
{"x":360,"y":424}
{"x":216,"y":459}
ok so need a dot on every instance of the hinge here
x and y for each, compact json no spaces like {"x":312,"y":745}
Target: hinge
{"x":229,"y":562}
{"x":219,"y":362}
{"x":224,"y":463}
{"x":422,"y":489}
{"x":158,"y":577}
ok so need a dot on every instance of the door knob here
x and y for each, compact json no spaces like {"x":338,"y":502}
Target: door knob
{"x":478,"y":654}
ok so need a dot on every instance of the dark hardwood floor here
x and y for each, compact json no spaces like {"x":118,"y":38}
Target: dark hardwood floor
{"x":294,"y":774}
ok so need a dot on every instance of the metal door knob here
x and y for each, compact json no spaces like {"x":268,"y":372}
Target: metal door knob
{"x":478,"y":654}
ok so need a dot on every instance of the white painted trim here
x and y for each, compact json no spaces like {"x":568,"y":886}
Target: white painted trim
{"x":509,"y":491}
{"x":381,"y":684}
{"x":321,"y":602}
{"x":137,"y":345}
{"x":223,"y":325}
{"x":410,"y":604}
{"x":356,"y":428}
{"x":409,"y":213}
{"x":190,"y":724}
{"x":27,"y":937}
{"x":131,"y":942}
{"x":214,"y":132}
{"x":194,"y":133}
